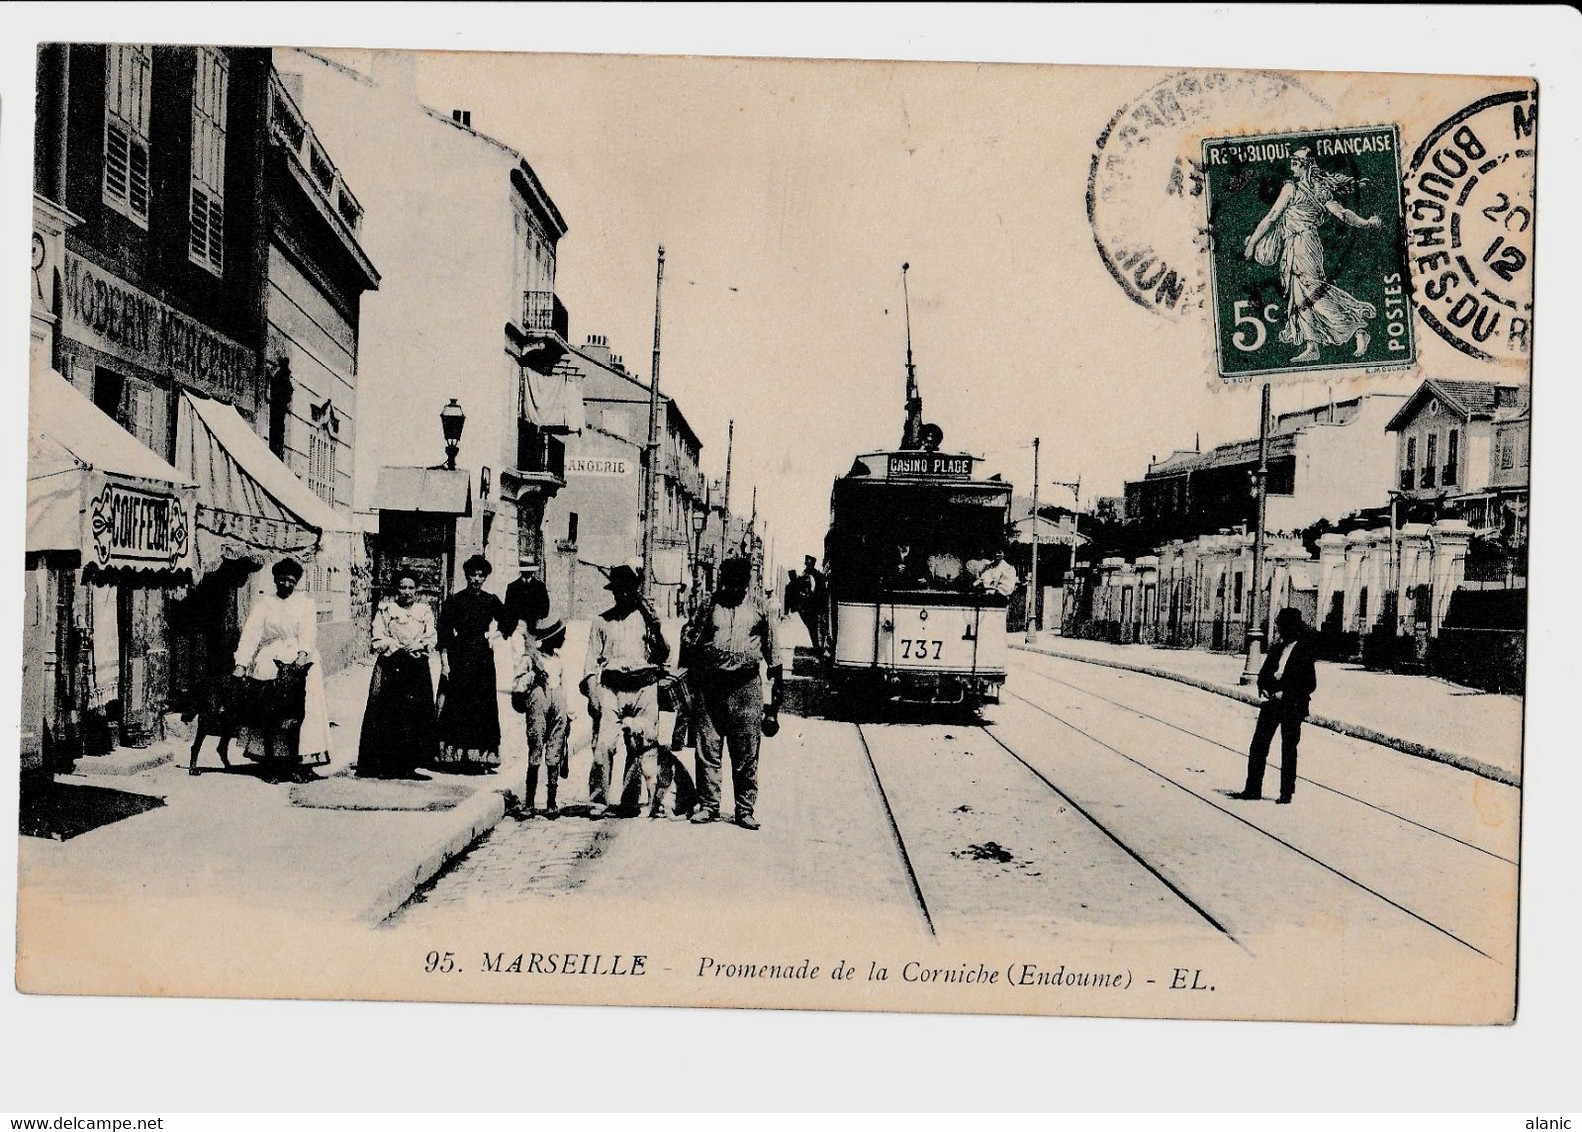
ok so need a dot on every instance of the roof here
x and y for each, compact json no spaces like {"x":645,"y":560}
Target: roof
{"x":435,"y":491}
{"x":1467,"y":399}
{"x":575,"y":357}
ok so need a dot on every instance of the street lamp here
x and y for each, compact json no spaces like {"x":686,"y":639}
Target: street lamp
{"x":451,"y":422}
{"x":700,"y":519}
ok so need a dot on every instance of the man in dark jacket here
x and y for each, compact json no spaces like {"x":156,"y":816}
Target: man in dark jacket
{"x":526,"y":600}
{"x":811,"y":599}
{"x":1285,"y":685}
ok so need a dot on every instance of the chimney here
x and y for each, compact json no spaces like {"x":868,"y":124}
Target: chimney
{"x":462,"y":118}
{"x":598,"y":348}
{"x":616,"y":362}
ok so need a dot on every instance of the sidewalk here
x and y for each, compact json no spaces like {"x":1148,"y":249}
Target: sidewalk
{"x":1434,"y":719}
{"x":342,"y":847}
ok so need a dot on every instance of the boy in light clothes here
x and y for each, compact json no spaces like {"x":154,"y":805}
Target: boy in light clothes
{"x":541,"y":677}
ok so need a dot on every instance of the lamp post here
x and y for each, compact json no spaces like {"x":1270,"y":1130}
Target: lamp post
{"x":700,"y":519}
{"x":1249,"y":674}
{"x":451,"y":421}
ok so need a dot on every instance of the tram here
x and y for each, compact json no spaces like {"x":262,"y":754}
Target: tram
{"x":911,"y":529}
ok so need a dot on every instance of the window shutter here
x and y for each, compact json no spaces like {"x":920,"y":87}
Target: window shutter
{"x":116,"y":160}
{"x":137,"y":195}
{"x":199,"y":239}
{"x":217,"y":234}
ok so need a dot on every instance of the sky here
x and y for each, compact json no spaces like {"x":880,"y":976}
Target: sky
{"x":788,"y":194}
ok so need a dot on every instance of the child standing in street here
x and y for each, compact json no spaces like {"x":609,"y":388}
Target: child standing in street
{"x":540,"y":680}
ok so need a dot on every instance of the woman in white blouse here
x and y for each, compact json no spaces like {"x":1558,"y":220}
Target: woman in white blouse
{"x":399,"y":732}
{"x":280,"y":642}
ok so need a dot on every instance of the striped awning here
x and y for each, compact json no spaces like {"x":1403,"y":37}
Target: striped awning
{"x":249,"y":503}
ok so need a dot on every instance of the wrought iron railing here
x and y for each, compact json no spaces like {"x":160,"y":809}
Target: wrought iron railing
{"x":288,"y":126}
{"x":543,"y":313}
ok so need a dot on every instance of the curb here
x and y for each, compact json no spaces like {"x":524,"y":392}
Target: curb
{"x":474,"y":817}
{"x":1353,"y":730}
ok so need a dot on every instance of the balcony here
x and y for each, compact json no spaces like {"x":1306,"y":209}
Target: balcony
{"x":310,"y":166}
{"x":1452,"y":476}
{"x":1408,"y":479}
{"x":1428,"y":477}
{"x":540,"y":339}
{"x":539,"y":452}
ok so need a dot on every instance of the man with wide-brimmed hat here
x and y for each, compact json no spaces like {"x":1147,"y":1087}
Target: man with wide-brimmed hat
{"x":722,"y":646}
{"x":625,"y":658}
{"x":540,"y":681}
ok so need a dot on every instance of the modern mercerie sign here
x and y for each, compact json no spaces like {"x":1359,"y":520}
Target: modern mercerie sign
{"x":110,"y":314}
{"x":931,"y":464}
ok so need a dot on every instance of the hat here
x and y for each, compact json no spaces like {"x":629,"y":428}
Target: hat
{"x":735,"y":571}
{"x":622,"y":577}
{"x":527,"y":562}
{"x":288,"y":568}
{"x":553,"y":632}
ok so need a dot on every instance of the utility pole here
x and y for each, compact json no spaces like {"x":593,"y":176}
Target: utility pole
{"x":725,"y":504}
{"x":1032,"y":575}
{"x":651,"y":479}
{"x":912,"y":434}
{"x":1249,"y":674}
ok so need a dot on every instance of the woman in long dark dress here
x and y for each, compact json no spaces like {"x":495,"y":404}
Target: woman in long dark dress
{"x":469,"y":721}
{"x":399,"y":730}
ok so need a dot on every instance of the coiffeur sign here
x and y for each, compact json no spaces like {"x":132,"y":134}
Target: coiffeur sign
{"x":131,"y":526}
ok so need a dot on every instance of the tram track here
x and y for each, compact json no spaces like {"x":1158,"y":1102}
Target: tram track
{"x":1128,"y":708}
{"x":916,"y":883}
{"x":1243,"y":820}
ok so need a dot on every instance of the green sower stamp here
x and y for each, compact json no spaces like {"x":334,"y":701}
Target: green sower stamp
{"x":1306,"y":252}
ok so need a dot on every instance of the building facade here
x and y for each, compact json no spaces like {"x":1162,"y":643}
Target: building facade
{"x":1325,"y":461}
{"x":152,"y":212}
{"x":466,"y":312}
{"x":596,"y":520}
{"x":1462,"y":447}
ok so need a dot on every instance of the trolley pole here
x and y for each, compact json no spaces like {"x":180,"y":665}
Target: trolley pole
{"x":1249,"y":674}
{"x":725,"y":505}
{"x":651,"y":480}
{"x":1032,"y":575}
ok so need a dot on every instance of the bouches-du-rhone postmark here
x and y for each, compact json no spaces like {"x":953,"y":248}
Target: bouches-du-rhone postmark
{"x":1306,"y":255}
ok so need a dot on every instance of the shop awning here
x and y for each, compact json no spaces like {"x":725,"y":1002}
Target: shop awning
{"x":249,"y":503}
{"x":93,"y":488}
{"x":435,"y":491}
{"x":1048,"y":533}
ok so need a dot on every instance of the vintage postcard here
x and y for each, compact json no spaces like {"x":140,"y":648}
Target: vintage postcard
{"x":932,"y":537}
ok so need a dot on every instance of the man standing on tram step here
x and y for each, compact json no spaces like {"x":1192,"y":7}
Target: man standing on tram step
{"x":811,"y":599}
{"x":721,"y":647}
{"x":1285,"y":686}
{"x":626,"y":652}
{"x":526,"y":599}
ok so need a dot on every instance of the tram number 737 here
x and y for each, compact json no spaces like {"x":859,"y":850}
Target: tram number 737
{"x":919,"y":649}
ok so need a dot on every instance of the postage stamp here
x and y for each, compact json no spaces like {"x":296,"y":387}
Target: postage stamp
{"x":1470,"y":227}
{"x":1305,"y":236}
{"x":1144,"y":182}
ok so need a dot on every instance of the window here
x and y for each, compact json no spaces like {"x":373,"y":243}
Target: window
{"x":128,"y":77}
{"x":1452,"y":457}
{"x":1429,"y":455}
{"x":206,"y":238}
{"x":321,"y":463}
{"x":1507,"y":449}
{"x":571,"y":529}
{"x":1236,"y":601}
